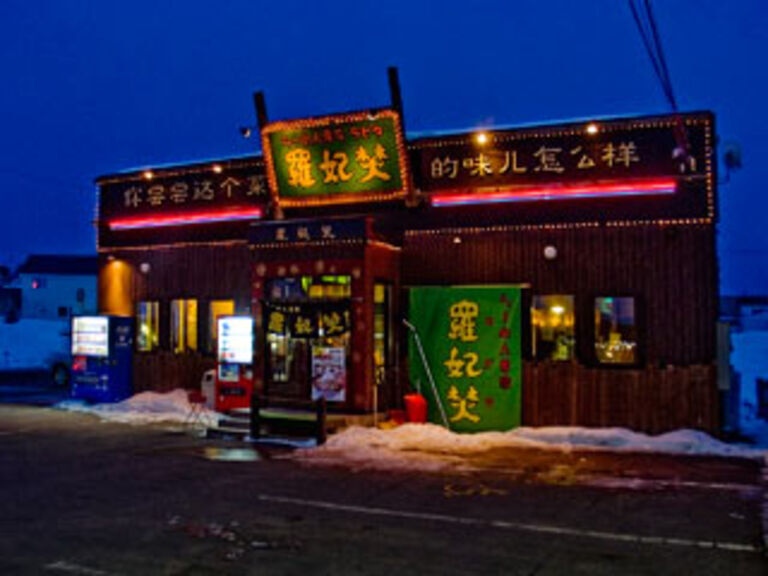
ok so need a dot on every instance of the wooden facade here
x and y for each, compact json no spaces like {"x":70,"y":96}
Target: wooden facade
{"x":659,"y":250}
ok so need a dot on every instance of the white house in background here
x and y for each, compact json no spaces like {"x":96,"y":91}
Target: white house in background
{"x":47,"y":291}
{"x":57,"y":286}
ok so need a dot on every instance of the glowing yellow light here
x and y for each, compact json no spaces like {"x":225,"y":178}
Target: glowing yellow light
{"x":481,"y":138}
{"x":217,"y":168}
{"x":557,"y":309}
{"x":592,"y":128}
{"x":148,"y":175}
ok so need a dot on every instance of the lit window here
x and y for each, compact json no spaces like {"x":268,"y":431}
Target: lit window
{"x":552,"y":323}
{"x":615,"y":330}
{"x":183,"y":325}
{"x":148,"y":326}
{"x":217,"y":308}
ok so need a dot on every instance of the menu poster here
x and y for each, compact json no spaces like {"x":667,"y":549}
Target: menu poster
{"x":329,"y":374}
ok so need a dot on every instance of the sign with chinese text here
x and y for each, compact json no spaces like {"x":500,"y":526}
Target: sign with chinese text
{"x":329,"y":374}
{"x":471,"y":338}
{"x":640,"y":157}
{"x":357,"y":157}
{"x":307,"y":320}
{"x":179,"y":198}
{"x":289,"y":231}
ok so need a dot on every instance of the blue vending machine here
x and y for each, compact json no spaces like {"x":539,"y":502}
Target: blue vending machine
{"x":102,"y":358}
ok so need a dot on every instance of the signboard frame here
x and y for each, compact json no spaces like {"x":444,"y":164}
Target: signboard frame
{"x":332,"y":124}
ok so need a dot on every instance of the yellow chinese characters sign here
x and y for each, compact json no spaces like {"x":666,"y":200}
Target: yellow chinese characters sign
{"x":356,"y":157}
{"x":471,"y":339}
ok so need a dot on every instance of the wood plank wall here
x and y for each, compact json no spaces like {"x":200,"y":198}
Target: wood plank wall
{"x":653,"y":400}
{"x":671,"y":272}
{"x":203,"y":272}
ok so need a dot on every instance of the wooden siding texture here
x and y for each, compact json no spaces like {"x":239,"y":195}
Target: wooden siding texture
{"x":652,"y":400}
{"x":671,"y":271}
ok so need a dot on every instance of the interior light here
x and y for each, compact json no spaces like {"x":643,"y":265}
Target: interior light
{"x":557,"y":309}
{"x":591,"y":128}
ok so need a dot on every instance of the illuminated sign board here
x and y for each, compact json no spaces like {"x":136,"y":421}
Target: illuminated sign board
{"x":90,"y":336}
{"x":640,"y":157}
{"x":356,"y":157}
{"x":235,"y":339}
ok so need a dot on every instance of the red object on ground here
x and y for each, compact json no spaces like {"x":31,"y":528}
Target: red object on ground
{"x":416,"y":408}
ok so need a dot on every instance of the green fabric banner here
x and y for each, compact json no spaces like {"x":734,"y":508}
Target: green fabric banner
{"x":471,"y":338}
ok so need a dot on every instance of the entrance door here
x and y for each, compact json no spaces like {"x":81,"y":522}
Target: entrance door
{"x":308,"y":338}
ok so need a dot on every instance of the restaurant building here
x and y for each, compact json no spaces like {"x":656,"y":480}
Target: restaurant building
{"x":603,"y":233}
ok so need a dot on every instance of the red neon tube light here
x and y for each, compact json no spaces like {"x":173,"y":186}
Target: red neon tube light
{"x":534,"y":194}
{"x":185,"y":219}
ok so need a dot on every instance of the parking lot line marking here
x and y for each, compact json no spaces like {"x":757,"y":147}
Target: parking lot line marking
{"x":519,"y":526}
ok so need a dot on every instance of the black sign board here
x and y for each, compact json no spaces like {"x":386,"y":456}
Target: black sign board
{"x":594,"y":151}
{"x":319,"y":230}
{"x":174,"y":202}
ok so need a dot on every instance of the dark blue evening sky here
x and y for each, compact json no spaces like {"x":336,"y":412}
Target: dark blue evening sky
{"x":92,"y":87}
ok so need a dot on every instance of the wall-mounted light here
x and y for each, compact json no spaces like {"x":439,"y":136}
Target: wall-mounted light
{"x":481,"y":138}
{"x":148,"y":174}
{"x":217,"y":168}
{"x":592,"y":128}
{"x":457,"y":239}
{"x":550,"y":252}
{"x":145,"y":267}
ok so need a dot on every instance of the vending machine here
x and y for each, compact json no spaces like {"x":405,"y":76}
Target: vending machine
{"x":102,"y":358}
{"x":234,"y":369}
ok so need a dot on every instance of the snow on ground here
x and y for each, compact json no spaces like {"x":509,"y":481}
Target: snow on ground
{"x":432,"y":447}
{"x":144,"y":408}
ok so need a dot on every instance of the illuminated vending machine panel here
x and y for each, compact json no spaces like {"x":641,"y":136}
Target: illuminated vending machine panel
{"x":234,"y":370}
{"x":102,"y":358}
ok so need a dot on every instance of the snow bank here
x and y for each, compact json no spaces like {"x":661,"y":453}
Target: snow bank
{"x":432,"y":447}
{"x":144,"y":408}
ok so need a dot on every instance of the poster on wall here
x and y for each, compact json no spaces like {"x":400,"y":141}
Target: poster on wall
{"x":329,"y":374}
{"x":471,"y":339}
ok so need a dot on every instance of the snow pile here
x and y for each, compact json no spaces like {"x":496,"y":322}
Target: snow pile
{"x":144,"y":408}
{"x":432,"y":447}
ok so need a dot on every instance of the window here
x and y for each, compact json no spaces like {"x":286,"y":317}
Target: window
{"x":183,"y":325}
{"x":552,"y":323}
{"x":147,"y":326}
{"x":615,"y":330}
{"x":327,"y":287}
{"x":217,"y":308}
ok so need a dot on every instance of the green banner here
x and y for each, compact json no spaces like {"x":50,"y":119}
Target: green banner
{"x":350,"y":154}
{"x":471,"y":339}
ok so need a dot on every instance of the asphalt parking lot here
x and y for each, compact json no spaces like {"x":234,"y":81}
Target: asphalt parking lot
{"x":87,"y":497}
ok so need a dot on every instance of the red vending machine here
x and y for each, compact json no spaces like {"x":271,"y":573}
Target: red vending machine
{"x":234,"y":369}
